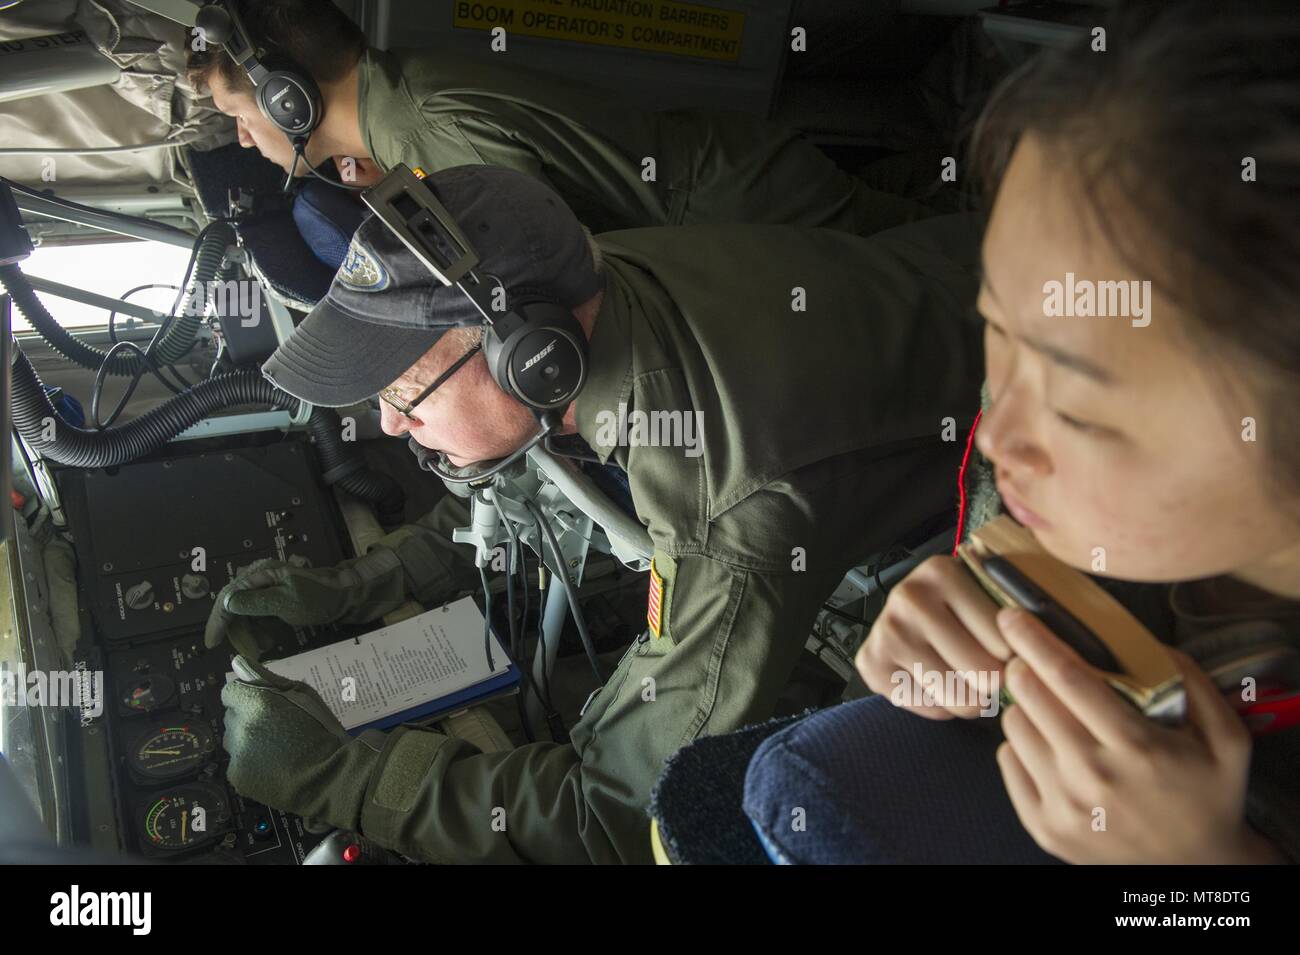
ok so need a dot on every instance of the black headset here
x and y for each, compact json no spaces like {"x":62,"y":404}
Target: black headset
{"x":535,"y":349}
{"x":285,"y":93}
{"x":537,"y":352}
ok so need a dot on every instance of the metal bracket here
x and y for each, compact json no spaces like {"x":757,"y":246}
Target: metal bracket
{"x":492,"y":507}
{"x":407,"y":206}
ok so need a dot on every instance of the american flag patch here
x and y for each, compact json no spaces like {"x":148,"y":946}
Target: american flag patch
{"x":655,"y":603}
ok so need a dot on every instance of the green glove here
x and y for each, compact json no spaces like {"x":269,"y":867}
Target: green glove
{"x":250,"y":637}
{"x":419,"y":560}
{"x":288,"y":751}
{"x":355,"y":591}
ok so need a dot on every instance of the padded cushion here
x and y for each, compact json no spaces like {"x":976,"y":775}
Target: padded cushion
{"x":326,"y":218}
{"x":270,"y":236}
{"x":869,"y":783}
{"x":698,"y":797}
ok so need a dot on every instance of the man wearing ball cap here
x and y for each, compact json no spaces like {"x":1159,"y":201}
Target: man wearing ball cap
{"x":819,"y":368}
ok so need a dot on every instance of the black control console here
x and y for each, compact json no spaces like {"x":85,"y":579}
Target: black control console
{"x":155,"y":542}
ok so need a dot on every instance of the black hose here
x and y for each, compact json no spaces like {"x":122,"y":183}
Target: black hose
{"x":345,"y":467}
{"x":212,"y":244}
{"x":176,"y":341}
{"x":35,"y":418}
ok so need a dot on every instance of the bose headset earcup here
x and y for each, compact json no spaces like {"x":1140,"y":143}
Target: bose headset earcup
{"x":285,"y":94}
{"x":1257,"y":655}
{"x":537,"y":353}
{"x":289,"y":98}
{"x":1240,"y":640}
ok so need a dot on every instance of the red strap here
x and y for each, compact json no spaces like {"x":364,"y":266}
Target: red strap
{"x":1272,"y":715}
{"x":961,"y":481}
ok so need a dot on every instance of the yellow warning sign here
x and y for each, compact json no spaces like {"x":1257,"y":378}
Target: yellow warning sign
{"x":657,"y":26}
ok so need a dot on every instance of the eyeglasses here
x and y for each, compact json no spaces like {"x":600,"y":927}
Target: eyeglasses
{"x":394,"y":398}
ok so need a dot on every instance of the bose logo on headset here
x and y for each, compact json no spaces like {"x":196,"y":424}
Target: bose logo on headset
{"x":540,"y":355}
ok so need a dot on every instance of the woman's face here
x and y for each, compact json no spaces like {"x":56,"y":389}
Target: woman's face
{"x":1124,"y":448}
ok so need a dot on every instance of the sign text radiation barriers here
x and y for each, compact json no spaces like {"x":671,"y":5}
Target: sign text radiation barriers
{"x":656,"y":26}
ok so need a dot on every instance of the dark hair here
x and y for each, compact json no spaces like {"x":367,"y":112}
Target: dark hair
{"x":1163,"y":121}
{"x":315,"y":34}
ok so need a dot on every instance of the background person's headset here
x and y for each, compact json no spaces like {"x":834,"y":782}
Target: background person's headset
{"x":1259,"y":650}
{"x":535,"y":349}
{"x":285,"y":93}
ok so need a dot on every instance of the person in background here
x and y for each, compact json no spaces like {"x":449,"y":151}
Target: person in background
{"x":615,"y":166}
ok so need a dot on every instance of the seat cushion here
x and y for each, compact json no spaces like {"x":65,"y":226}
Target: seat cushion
{"x":869,"y":783}
{"x":327,"y":217}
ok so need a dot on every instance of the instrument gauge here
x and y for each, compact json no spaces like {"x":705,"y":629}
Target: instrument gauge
{"x":184,"y":817}
{"x":172,"y":749}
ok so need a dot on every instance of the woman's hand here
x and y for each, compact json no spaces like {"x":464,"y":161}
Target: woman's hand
{"x":938,"y":618}
{"x":1093,"y":780}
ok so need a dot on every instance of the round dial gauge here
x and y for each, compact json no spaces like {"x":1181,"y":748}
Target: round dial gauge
{"x":170,"y":750}
{"x":184,"y":817}
{"x":148,"y":693}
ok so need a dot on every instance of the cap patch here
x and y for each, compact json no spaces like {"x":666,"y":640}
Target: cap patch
{"x":361,"y":271}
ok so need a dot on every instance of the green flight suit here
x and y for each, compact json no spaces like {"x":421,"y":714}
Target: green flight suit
{"x":436,"y":110}
{"x":823,"y":441}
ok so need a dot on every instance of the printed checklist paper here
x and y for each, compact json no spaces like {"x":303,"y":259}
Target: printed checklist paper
{"x":409,"y":665}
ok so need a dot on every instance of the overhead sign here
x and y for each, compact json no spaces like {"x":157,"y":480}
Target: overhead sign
{"x":656,"y":26}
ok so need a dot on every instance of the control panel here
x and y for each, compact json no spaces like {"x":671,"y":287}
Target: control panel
{"x":155,"y":542}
